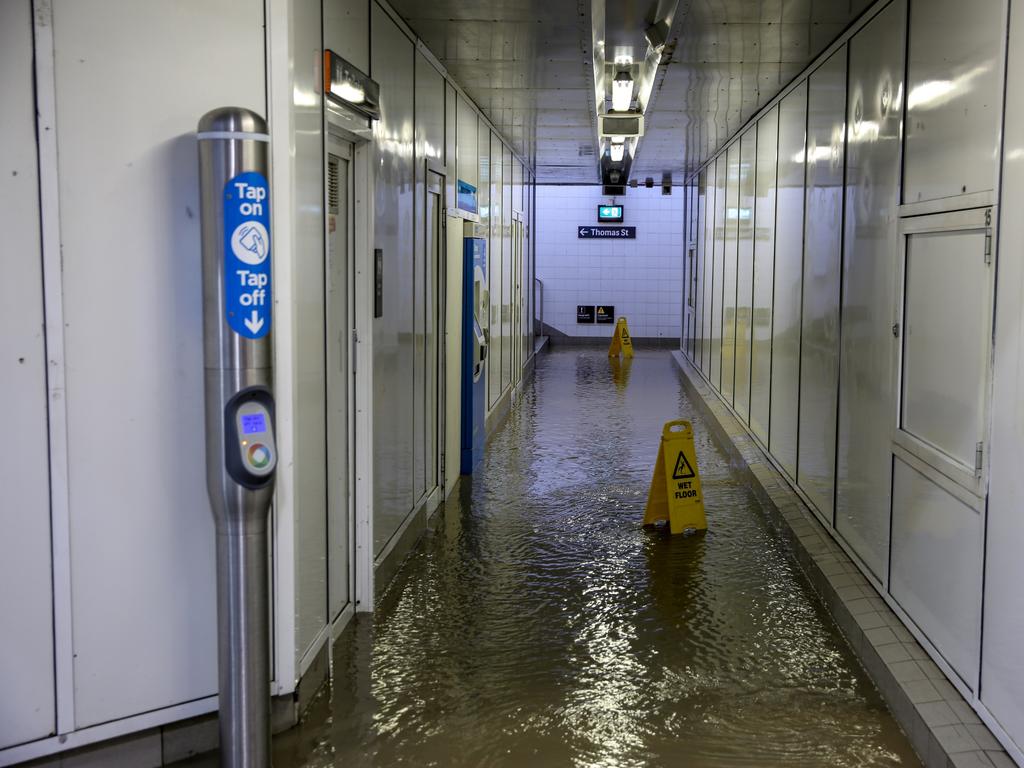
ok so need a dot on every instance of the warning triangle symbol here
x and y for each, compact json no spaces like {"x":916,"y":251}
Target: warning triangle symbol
{"x":683,"y":469}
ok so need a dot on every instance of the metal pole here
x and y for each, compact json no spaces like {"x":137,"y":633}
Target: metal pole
{"x":241,"y":452}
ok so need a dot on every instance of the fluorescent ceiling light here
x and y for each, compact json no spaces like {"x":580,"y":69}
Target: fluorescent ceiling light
{"x":622,"y":92}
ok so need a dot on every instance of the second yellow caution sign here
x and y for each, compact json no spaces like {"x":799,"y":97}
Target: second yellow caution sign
{"x":675,"y":494}
{"x":621,"y":342}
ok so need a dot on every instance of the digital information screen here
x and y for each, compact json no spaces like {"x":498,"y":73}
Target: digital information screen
{"x":253,"y":423}
{"x":612,"y":213}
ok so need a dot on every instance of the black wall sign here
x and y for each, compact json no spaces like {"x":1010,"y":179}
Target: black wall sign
{"x":378,"y":282}
{"x":584,"y":313}
{"x":609,"y":233}
{"x":606,"y":314}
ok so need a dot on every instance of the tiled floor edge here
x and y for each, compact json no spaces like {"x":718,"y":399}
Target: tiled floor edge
{"x":941,"y":725}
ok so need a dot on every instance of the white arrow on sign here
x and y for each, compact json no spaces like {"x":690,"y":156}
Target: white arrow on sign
{"x":254,"y":322}
{"x":583,"y":230}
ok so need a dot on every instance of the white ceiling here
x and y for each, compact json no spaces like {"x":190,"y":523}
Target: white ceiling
{"x":528,"y":65}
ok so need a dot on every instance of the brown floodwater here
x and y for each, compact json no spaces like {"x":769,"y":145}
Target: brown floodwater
{"x":537,"y":624}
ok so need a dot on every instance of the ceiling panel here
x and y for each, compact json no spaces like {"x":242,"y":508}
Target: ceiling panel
{"x":528,"y":65}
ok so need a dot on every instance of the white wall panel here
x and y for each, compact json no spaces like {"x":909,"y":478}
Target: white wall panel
{"x":745,"y":270}
{"x":640,"y":277}
{"x":468,"y":161}
{"x":823,"y":240}
{"x":953,"y":98}
{"x":1002,"y":674}
{"x":864,"y":466}
{"x":309,"y":318}
{"x":347,"y":30}
{"x":699,"y":266}
{"x":718,"y":269}
{"x":789,"y":233}
{"x":937,"y":546}
{"x":764,"y":272}
{"x":142,"y":540}
{"x":26,"y":603}
{"x":729,"y":258}
{"x":495,"y":260}
{"x":430,"y":117}
{"x":392,"y":54}
{"x":708,"y":267}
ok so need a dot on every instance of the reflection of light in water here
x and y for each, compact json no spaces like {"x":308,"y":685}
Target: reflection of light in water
{"x":934,"y":93}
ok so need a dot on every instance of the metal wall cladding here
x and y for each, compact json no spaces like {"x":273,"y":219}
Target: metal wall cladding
{"x":823,"y":243}
{"x":393,"y":334}
{"x":142,"y":536}
{"x":732,"y":196}
{"x":936,"y":571}
{"x":745,"y":270}
{"x":451,"y":146}
{"x":495,"y":255}
{"x":1002,"y":674}
{"x":871,"y":249}
{"x":27,"y":710}
{"x":953,"y":98}
{"x":718,"y":269}
{"x":789,"y":235}
{"x":764,"y":272}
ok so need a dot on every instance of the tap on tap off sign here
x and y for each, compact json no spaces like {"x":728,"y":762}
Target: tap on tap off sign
{"x":247,"y":290}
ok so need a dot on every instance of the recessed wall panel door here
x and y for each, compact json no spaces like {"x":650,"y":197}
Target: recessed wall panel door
{"x":937,"y":547}
{"x":953,"y":98}
{"x":394,"y":214}
{"x":26,"y":589}
{"x":732,"y":196}
{"x":495,"y":260}
{"x":789,"y":236}
{"x":863,"y":463}
{"x":823,"y":243}
{"x":339,"y":325}
{"x":745,"y":270}
{"x":141,"y":531}
{"x":764,"y":273}
{"x":435,"y":253}
{"x":718,"y":271}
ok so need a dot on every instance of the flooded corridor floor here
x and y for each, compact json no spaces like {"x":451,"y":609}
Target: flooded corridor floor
{"x":537,"y":624}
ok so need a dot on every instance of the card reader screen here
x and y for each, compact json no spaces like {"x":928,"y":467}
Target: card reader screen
{"x":253,"y":423}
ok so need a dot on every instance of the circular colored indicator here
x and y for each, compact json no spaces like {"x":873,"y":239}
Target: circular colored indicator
{"x":259,"y":455}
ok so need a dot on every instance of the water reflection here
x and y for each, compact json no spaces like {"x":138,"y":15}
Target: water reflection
{"x":538,"y":624}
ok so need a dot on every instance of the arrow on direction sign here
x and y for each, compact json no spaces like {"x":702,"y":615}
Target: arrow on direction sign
{"x":583,"y":231}
{"x":254,"y":322}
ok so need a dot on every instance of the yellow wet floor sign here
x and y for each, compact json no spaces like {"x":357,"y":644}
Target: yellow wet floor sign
{"x":675,"y":494}
{"x":621,"y":342}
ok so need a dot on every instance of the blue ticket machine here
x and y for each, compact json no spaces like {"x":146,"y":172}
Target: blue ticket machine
{"x":475,"y":301}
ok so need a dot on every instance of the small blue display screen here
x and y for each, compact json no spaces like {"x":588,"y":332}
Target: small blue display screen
{"x":253,"y":423}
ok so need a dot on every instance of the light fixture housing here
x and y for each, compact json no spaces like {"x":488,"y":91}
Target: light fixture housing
{"x":617,"y":151}
{"x":345,"y":84}
{"x":622,"y":92}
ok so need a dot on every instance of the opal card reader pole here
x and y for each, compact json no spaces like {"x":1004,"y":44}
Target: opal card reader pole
{"x":241,"y":452}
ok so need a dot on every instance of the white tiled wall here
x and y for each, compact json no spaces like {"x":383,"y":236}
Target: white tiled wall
{"x":641,"y":278}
